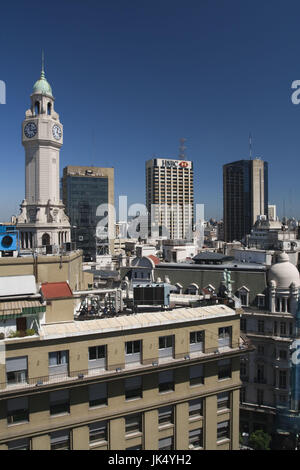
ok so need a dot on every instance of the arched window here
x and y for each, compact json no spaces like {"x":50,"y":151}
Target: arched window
{"x":49,"y":108}
{"x":37,"y":107}
{"x":46,"y":239}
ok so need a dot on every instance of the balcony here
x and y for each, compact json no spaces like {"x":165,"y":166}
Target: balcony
{"x":75,"y":376}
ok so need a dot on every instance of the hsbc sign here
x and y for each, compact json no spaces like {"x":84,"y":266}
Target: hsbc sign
{"x":174,"y":163}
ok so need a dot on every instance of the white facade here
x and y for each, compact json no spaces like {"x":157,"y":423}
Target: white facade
{"x":179,"y":253}
{"x":42,"y":220}
{"x":254,"y":256}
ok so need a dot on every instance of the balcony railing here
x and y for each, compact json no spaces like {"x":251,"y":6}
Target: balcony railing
{"x":74,"y":376}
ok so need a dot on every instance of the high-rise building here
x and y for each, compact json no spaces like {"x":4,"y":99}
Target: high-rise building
{"x":42,"y":220}
{"x":245,"y":192}
{"x":170,"y":197}
{"x":272,"y":212}
{"x":88,"y":193}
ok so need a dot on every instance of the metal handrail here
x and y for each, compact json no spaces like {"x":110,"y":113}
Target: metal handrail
{"x":31,"y":382}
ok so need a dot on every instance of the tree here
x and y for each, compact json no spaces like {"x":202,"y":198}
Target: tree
{"x":259,"y":440}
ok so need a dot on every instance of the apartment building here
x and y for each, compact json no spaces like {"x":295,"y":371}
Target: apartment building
{"x":154,"y":380}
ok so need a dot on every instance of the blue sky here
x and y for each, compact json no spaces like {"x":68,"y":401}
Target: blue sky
{"x":132,"y":77}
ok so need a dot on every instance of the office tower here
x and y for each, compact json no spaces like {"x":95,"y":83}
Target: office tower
{"x":170,"y":197}
{"x":245,"y":192}
{"x":88,"y":194}
{"x":42,"y":220}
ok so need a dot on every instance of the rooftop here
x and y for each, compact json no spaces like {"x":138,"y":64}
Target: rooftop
{"x":234,"y":266}
{"x":137,"y":321}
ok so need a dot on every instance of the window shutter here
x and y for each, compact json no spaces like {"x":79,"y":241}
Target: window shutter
{"x":16,"y":363}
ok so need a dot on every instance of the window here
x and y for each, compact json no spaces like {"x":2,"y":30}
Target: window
{"x":244,"y":325}
{"x":133,"y":424}
{"x":98,"y":431}
{"x":291,"y":329}
{"x":133,"y":351}
{"x":166,"y":381}
{"x":16,"y":370}
{"x":225,"y":337}
{"x":260,"y":301}
{"x":60,"y":440}
{"x":97,"y":395}
{"x":260,"y":397}
{"x":97,"y":357}
{"x":223,"y":430}
{"x":196,"y":375}
{"x":166,"y":346}
{"x":275,"y":328}
{"x":243,"y":368}
{"x":19,"y":444}
{"x":196,"y":408}
{"x":261,"y":326}
{"x":59,"y":402}
{"x":196,"y":341}
{"x":260,"y":374}
{"x":165,"y":415}
{"x":283,"y":354}
{"x":133,"y":388}
{"x":223,"y":401}
{"x":244,"y":298}
{"x":282,"y":379}
{"x":196,"y":438}
{"x":58,"y":362}
{"x":138,"y":447}
{"x":17,"y":410}
{"x":165,"y":444}
{"x":224,"y":369}
{"x":282,"y":328}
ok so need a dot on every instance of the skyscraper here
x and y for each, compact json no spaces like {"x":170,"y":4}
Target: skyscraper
{"x":42,"y":220}
{"x":170,"y":197}
{"x":88,"y":193}
{"x":245,"y":196}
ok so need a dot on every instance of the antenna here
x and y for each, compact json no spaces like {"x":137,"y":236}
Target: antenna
{"x":182,"y":148}
{"x":250,"y":146}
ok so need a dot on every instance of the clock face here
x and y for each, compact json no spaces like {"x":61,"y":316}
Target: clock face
{"x":56,"y":131}
{"x":30,"y":130}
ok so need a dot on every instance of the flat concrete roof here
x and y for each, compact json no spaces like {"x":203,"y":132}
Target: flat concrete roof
{"x":134,"y":321}
{"x":234,"y":266}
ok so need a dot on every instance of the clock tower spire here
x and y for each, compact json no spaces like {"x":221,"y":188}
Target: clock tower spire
{"x":42,"y":220}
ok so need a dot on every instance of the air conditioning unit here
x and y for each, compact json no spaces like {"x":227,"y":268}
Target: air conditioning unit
{"x":8,"y":241}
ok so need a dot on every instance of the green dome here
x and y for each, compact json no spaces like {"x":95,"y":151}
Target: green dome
{"x":42,"y":86}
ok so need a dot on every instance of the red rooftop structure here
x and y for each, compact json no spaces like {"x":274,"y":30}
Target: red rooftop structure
{"x":56,"y":290}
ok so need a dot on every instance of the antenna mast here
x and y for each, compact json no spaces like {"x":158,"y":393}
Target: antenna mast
{"x":182,"y":148}
{"x":250,"y":146}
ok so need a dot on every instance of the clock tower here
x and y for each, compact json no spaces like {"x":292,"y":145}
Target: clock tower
{"x":42,"y":220}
